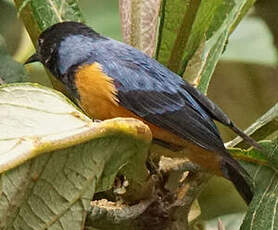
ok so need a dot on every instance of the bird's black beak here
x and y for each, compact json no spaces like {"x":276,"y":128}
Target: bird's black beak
{"x":33,"y":58}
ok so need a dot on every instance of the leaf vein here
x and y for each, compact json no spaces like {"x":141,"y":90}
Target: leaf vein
{"x":55,"y":10}
{"x":274,"y":210}
{"x":260,"y":201}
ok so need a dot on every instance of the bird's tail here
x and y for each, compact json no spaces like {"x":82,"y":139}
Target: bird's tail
{"x":245,"y":137}
{"x":235,"y":173}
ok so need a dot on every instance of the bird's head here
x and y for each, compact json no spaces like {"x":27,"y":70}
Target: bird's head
{"x":63,"y":46}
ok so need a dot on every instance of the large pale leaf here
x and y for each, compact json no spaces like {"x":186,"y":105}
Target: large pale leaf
{"x":64,"y":157}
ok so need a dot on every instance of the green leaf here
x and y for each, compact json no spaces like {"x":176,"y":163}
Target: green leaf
{"x":38,"y":15}
{"x":263,"y":168}
{"x":183,"y":34}
{"x":10,"y":70}
{"x":64,"y":157}
{"x":212,"y":56}
{"x":262,"y":210}
{"x":230,"y":222}
{"x":265,"y":128}
{"x":247,"y":5}
{"x":225,"y":16}
{"x":176,"y":19}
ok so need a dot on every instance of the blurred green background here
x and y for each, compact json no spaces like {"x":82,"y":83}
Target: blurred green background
{"x":245,"y":83}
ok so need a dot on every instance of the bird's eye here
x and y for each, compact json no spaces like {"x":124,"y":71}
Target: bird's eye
{"x":52,"y":48}
{"x":40,"y":41}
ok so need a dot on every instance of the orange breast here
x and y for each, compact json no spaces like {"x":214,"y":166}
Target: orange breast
{"x":98,"y":98}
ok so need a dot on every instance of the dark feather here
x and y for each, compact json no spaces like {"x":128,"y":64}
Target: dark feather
{"x":156,"y":94}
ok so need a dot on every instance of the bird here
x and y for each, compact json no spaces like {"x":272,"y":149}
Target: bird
{"x":108,"y":79}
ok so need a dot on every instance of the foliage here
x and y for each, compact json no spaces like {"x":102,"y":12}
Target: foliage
{"x":50,"y":172}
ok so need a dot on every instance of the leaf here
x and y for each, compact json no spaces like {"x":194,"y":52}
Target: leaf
{"x":23,"y":108}
{"x":263,"y":168}
{"x":247,"y":5}
{"x":184,"y":29}
{"x":173,"y":18}
{"x":64,"y":157}
{"x":183,"y":36}
{"x":230,"y":221}
{"x":217,"y":35}
{"x":10,"y":70}
{"x":266,"y":127}
{"x":194,"y":66}
{"x":170,"y":39}
{"x":139,"y":23}
{"x":38,"y":15}
{"x":211,"y":58}
{"x":262,"y":212}
{"x":220,"y":225}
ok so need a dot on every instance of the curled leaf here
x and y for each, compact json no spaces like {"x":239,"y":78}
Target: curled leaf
{"x":53,"y":158}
